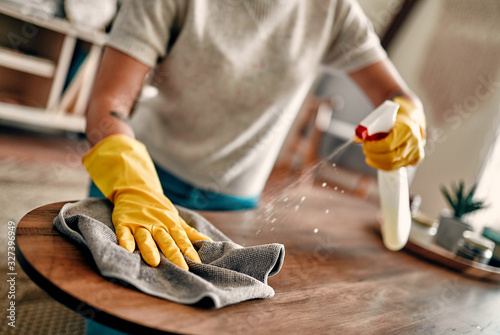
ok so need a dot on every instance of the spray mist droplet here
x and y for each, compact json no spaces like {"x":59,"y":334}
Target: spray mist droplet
{"x":323,"y":185}
{"x":334,"y":165}
{"x":273,"y":228}
{"x":273,"y":220}
{"x":285,"y":200}
{"x":302,"y":199}
{"x":342,"y":191}
{"x":315,"y":230}
{"x":327,"y":211}
{"x":297,"y":207}
{"x":335,"y":188}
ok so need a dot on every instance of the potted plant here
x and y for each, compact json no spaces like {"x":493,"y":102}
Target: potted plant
{"x":452,"y":226}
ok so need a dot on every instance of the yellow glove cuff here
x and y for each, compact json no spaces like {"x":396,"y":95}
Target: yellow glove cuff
{"x":118,"y":162}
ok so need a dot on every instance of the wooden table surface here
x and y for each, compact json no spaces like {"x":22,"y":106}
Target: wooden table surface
{"x":337,"y":278}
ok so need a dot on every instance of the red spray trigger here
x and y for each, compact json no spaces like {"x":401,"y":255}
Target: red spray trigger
{"x":378,"y":123}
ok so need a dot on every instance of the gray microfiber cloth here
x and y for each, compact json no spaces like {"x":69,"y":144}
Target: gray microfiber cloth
{"x":229,"y":273}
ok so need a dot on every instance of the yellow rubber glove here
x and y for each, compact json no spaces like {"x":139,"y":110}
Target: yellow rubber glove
{"x":405,"y":143}
{"x":122,"y":169}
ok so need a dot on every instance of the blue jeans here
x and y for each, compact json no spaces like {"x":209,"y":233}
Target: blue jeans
{"x":185,"y":195}
{"x":182,"y":194}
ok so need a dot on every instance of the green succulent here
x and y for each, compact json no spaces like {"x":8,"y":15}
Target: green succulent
{"x":462,"y":203}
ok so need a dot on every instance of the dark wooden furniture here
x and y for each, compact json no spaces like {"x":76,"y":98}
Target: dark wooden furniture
{"x":337,"y":278}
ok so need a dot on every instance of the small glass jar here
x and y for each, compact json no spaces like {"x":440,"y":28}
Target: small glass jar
{"x":474,"y":247}
{"x":423,"y":228}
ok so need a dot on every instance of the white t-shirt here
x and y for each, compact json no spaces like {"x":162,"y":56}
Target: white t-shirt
{"x":231,"y":77}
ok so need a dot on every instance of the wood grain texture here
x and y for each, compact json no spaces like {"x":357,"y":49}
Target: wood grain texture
{"x":339,"y":279}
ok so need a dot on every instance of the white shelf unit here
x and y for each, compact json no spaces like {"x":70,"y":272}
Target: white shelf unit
{"x":30,"y":64}
{"x":35,"y":56}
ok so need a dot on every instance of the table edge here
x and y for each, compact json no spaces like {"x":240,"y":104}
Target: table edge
{"x":74,"y":303}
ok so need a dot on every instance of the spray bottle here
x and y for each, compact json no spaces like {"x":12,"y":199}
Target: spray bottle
{"x":392,"y":185}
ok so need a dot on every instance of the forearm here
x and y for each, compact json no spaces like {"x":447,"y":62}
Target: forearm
{"x":113,"y":96}
{"x":381,"y":81}
{"x":104,"y":119}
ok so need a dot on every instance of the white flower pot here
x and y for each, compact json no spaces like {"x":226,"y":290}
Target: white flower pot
{"x":450,"y":231}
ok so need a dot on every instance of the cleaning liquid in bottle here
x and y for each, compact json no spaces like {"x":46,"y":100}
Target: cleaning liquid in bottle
{"x":392,"y":185}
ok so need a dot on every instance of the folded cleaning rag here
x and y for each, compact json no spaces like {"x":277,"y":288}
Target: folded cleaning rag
{"x":229,"y":273}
